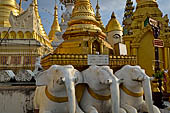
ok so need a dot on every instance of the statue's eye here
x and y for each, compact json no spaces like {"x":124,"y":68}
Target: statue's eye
{"x":116,"y":36}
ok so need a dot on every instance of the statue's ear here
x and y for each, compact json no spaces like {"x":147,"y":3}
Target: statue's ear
{"x":87,"y":73}
{"x":121,"y":74}
{"x":78,"y":76}
{"x":43,"y":78}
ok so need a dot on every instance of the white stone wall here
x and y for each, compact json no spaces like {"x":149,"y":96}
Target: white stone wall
{"x":16,"y":99}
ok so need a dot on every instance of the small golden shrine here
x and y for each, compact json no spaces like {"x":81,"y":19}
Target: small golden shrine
{"x":139,"y":38}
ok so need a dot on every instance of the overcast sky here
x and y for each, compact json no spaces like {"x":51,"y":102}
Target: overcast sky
{"x":46,"y":9}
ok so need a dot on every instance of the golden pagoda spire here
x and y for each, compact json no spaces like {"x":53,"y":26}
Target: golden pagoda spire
{"x":35,"y":2}
{"x":127,"y":19}
{"x":20,"y":6}
{"x":37,"y":19}
{"x":98,"y":16}
{"x":55,"y":26}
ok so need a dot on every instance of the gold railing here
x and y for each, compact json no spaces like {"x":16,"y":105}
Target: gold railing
{"x":80,"y":61}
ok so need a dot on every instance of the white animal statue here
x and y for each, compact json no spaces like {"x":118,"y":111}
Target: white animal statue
{"x":135,"y":83}
{"x":101,"y":94}
{"x":56,"y":93}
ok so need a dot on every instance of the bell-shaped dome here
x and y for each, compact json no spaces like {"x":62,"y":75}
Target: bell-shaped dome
{"x":83,"y":20}
{"x":6,"y":6}
{"x":82,"y":11}
{"x":113,"y":24}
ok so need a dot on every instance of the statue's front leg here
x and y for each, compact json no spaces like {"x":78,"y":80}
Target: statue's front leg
{"x":129,"y":109}
{"x":90,"y":109}
{"x":145,"y":109}
{"x":122,"y":110}
{"x":78,"y":109}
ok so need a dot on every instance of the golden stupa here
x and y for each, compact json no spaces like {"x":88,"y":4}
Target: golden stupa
{"x":84,"y":37}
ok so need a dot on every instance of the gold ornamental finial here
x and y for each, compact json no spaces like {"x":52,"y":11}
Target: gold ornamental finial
{"x":98,"y":16}
{"x":62,"y":19}
{"x":113,"y":15}
{"x":20,"y":6}
{"x":97,"y":6}
{"x":55,"y":26}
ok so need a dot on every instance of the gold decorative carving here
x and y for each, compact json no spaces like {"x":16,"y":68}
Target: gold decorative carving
{"x":97,"y":96}
{"x":54,"y":98}
{"x":127,"y":91}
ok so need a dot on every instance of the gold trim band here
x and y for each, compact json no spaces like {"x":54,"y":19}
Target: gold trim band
{"x":97,"y":96}
{"x":127,"y":91}
{"x":55,"y":99}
